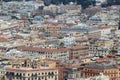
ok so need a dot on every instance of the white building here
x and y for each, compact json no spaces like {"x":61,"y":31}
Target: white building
{"x":69,"y":40}
{"x":99,"y":2}
{"x":105,"y":30}
{"x":117,"y":33}
{"x":99,"y":77}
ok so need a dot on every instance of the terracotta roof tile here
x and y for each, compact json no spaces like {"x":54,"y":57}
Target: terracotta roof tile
{"x":27,"y":48}
{"x":52,"y":23}
{"x":27,"y":70}
{"x":3,"y":38}
{"x":103,"y":27}
{"x":79,"y":47}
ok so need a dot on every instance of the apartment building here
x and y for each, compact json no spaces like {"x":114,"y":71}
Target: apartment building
{"x":107,"y":69}
{"x":79,"y":51}
{"x":47,"y":53}
{"x":35,"y":69}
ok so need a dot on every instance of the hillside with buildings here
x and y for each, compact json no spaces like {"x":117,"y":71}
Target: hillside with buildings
{"x":59,"y":42}
{"x":84,"y":3}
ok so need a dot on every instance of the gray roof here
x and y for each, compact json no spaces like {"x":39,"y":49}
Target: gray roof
{"x":53,"y":42}
{"x":101,"y":66}
{"x":2,"y":67}
{"x":79,"y":29}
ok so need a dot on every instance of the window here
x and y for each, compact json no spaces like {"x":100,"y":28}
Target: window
{"x":48,"y":76}
{"x":77,"y":75}
{"x":39,"y":78}
{"x":52,"y":76}
{"x":23,"y":74}
{"x":48,"y":73}
{"x":42,"y":73}
{"x":52,"y":73}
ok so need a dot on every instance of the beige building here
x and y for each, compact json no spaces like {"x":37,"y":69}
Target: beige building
{"x":47,"y":53}
{"x":79,"y":51}
{"x":2,"y":71}
{"x":74,"y":73}
{"x":95,"y":68}
{"x":35,"y":69}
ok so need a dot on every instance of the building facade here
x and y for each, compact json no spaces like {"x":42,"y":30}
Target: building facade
{"x":94,"y":69}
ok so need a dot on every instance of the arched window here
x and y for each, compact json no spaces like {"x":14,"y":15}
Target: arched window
{"x":42,"y":73}
{"x":45,"y":73}
{"x":52,"y":73}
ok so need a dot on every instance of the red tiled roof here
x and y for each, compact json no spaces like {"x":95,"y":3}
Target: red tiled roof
{"x":83,"y":40}
{"x":70,"y":24}
{"x":18,"y":36}
{"x":103,"y":27}
{"x":51,"y":60}
{"x":27,"y":70}
{"x":101,"y":59}
{"x":52,"y":23}
{"x":27,"y":48}
{"x":2,"y":38}
{"x":78,"y":47}
{"x":111,"y":55}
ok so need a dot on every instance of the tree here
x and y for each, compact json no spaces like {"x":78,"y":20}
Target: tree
{"x":61,"y":44}
{"x":14,"y":17}
{"x":47,"y":2}
{"x":84,"y":3}
{"x":113,"y":2}
{"x":109,"y":2}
